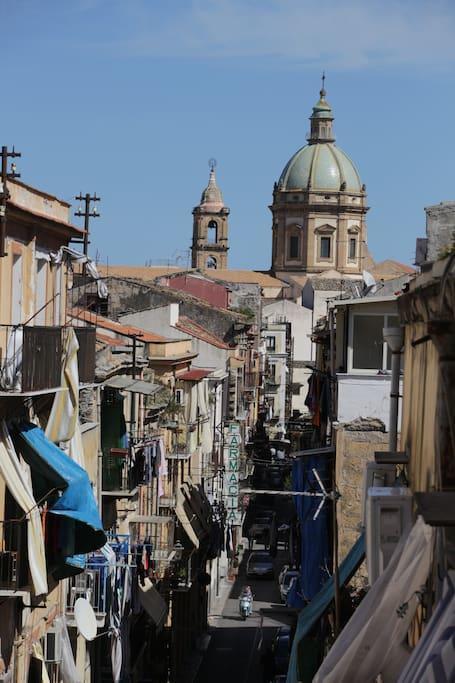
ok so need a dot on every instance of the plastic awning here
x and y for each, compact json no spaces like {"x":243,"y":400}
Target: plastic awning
{"x":81,"y":527}
{"x":136,"y":386}
{"x":320,"y":603}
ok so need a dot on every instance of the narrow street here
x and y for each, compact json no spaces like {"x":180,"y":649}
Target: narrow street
{"x":237,"y":647}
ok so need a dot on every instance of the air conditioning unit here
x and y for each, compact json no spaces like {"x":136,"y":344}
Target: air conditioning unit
{"x":388,"y":515}
{"x":375,"y":475}
{"x":180,"y":397}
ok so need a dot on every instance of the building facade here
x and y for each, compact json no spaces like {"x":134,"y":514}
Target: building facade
{"x":319,"y":206}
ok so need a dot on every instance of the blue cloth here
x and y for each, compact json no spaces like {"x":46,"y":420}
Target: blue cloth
{"x":315,"y":555}
{"x":320,"y":603}
{"x":76,"y":506}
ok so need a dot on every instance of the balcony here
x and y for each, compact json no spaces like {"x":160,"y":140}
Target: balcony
{"x":14,"y":571}
{"x":119,"y":477}
{"x":31,"y":357}
{"x":92,"y":585}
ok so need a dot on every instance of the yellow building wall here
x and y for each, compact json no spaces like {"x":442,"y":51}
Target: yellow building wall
{"x":420,"y":388}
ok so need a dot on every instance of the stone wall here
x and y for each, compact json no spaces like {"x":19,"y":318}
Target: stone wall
{"x":353,"y":450}
{"x":440,"y":229}
{"x":130,"y":296}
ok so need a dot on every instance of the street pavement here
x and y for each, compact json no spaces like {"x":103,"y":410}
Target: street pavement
{"x":236,"y":648}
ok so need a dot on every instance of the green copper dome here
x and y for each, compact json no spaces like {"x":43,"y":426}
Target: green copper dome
{"x":320,"y":166}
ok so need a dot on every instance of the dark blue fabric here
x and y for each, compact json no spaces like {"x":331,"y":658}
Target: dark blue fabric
{"x":295,"y":597}
{"x":314,"y":611}
{"x":76,"y":505}
{"x":315,"y":555}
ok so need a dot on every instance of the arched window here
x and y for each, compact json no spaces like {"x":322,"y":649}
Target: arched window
{"x":211,"y":262}
{"x":212,"y":232}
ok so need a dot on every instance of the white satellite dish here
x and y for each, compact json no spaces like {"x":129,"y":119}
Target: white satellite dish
{"x":369,"y":283}
{"x":85,"y":619}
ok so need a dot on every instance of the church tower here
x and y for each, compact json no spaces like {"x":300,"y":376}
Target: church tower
{"x":210,"y":227}
{"x":319,"y":206}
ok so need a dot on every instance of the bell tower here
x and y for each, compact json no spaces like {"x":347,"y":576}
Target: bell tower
{"x":210,"y":227}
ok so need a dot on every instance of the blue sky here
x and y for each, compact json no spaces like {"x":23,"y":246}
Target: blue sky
{"x":130,"y":99}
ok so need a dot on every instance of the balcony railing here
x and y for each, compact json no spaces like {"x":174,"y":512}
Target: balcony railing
{"x":14,"y":573}
{"x":93,"y":585}
{"x":31,"y":356}
{"x":120,"y":475}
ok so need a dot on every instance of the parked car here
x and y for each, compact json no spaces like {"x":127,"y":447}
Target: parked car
{"x":281,"y":649}
{"x":260,"y":564}
{"x":260,"y":529}
{"x":285,"y":584}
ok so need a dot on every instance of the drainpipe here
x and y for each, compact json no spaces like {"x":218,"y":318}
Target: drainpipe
{"x":394,"y":338}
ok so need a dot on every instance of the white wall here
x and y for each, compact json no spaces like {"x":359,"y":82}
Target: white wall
{"x":158,"y":320}
{"x":365,"y":396}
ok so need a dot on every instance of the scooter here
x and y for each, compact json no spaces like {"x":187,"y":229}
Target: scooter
{"x":245,"y":607}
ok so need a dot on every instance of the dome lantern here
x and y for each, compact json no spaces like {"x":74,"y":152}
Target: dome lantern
{"x":321,"y":119}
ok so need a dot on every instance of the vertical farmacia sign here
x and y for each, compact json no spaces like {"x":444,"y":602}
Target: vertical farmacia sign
{"x":232,"y":445}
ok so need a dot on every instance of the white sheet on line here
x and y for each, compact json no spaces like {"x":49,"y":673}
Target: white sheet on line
{"x":372,"y":642}
{"x":63,"y":424}
{"x":17,"y":482}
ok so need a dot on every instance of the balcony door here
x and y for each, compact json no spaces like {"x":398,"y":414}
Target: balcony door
{"x":16,"y":293}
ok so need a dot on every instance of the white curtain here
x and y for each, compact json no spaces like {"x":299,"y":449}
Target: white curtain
{"x":206,"y":431}
{"x":68,"y":667}
{"x":63,"y":424}
{"x":17,"y":482}
{"x":162,"y":467}
{"x":372,"y":642}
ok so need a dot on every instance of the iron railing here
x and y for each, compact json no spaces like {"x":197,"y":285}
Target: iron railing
{"x":31,"y":356}
{"x":92,"y":585}
{"x":13,"y":555}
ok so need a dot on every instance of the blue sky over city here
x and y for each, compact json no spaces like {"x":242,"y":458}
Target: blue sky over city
{"x":131,"y":99}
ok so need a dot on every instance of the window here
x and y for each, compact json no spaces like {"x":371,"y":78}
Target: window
{"x":211,"y":262}
{"x":369,"y":350}
{"x":40,"y":295}
{"x":294,"y":246}
{"x":270,"y":343}
{"x":212,"y":232}
{"x":325,"y":247}
{"x":179,"y":397}
{"x":352,"y":248}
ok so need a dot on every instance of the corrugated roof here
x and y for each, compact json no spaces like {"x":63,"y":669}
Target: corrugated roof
{"x":114,"y":326}
{"x":195,"y":374}
{"x":190,"y":327}
{"x":136,"y":386}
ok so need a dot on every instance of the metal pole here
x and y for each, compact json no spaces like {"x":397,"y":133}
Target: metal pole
{"x":86,"y":223}
{"x":394,"y":396}
{"x":336,"y":575}
{"x":3,"y":197}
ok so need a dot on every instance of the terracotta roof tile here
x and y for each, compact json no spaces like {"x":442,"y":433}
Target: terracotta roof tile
{"x":190,"y":327}
{"x":195,"y":374}
{"x":114,"y":326}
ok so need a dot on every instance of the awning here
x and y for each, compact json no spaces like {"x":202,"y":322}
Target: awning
{"x":432,"y":658}
{"x":53,"y":469}
{"x":153,"y":603}
{"x":136,"y":386}
{"x":373,"y":640}
{"x":320,"y":603}
{"x":184,"y":520}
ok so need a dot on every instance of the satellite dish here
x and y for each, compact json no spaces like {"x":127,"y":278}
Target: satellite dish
{"x":369,"y":283}
{"x":85,"y":619}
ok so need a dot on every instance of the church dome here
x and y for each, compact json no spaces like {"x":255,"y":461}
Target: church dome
{"x":320,"y":165}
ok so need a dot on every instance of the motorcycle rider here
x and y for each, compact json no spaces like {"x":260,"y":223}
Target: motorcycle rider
{"x":247,"y":596}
